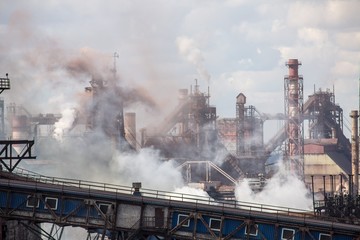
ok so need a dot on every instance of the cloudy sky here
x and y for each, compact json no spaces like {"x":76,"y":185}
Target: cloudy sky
{"x":230,"y":46}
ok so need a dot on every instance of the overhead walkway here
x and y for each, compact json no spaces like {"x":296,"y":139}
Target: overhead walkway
{"x":119,"y":212}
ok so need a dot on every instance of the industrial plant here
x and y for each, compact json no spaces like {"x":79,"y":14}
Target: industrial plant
{"x":212,"y":153}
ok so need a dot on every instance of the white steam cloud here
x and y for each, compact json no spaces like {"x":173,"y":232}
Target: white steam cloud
{"x":188,"y":49}
{"x":64,"y":123}
{"x":146,"y":167}
{"x":283,"y":189}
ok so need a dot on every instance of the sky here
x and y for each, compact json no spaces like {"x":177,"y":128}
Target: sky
{"x":229,"y":46}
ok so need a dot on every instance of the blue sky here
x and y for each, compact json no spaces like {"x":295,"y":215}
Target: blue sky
{"x":230,"y":46}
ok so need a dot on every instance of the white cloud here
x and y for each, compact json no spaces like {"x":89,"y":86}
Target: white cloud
{"x":348,"y":40}
{"x":236,"y":3}
{"x":329,"y":14}
{"x":187,"y":47}
{"x":277,"y":26}
{"x":313,"y":35}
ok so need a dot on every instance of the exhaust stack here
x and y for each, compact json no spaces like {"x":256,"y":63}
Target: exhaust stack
{"x":355,"y":152}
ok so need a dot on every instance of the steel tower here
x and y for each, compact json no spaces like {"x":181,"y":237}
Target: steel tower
{"x":294,"y":145}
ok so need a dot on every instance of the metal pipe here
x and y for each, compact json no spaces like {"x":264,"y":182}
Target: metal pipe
{"x":324,"y":187}
{"x":351,"y":190}
{"x":355,"y":151}
{"x":313,"y":192}
{"x":341,"y":186}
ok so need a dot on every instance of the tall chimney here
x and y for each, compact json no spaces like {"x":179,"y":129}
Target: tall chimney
{"x":355,"y":151}
{"x":293,"y":91}
{"x":240,"y":122}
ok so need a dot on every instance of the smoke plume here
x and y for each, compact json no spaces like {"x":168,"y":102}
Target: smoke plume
{"x":188,"y":49}
{"x":283,"y":189}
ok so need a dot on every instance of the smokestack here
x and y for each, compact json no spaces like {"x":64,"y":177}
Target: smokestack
{"x":240,"y":122}
{"x":355,"y":151}
{"x":293,"y":91}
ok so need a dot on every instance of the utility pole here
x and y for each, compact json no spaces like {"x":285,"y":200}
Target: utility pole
{"x":4,"y":85}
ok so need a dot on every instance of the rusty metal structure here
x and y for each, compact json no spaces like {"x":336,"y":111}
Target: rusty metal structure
{"x":194,"y":136}
{"x":249,"y":129}
{"x":190,"y":128}
{"x":193,"y":133}
{"x":325,"y":138}
{"x":340,"y":197}
{"x":250,"y":152}
{"x":293,"y":99}
{"x":325,"y":117}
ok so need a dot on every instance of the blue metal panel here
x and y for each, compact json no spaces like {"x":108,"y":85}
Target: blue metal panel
{"x":230,"y":225}
{"x":17,"y":199}
{"x":340,"y":237}
{"x":267,"y":230}
{"x":70,"y":205}
{"x":3,"y":196}
{"x":174,"y":219}
{"x":200,"y":228}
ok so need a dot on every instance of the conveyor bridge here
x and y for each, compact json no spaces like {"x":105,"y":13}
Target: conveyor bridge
{"x":118,"y":212}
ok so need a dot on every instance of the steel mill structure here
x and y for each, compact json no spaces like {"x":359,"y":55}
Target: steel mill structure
{"x":293,"y":90}
{"x":212,"y":153}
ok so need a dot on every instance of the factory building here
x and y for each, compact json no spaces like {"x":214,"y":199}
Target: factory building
{"x":217,"y":153}
{"x":193,"y":134}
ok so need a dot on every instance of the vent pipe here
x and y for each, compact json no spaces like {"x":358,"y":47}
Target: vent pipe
{"x":355,"y":151}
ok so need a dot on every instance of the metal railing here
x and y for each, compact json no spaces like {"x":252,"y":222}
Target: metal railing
{"x":90,"y":186}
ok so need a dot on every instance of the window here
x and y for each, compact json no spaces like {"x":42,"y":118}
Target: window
{"x":52,"y":202}
{"x":287,"y":234}
{"x":323,"y":236}
{"x":104,"y":207}
{"x":215,"y":224}
{"x":32,"y":201}
{"x":251,"y":230}
{"x":182,"y":217}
